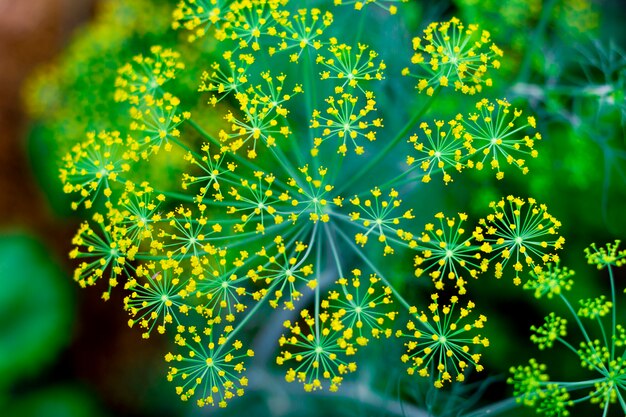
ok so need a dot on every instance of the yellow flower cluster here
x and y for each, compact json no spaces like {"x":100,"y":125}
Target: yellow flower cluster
{"x":269,"y":212}
{"x":361,"y":312}
{"x":517,"y":231}
{"x":452,"y":54}
{"x":147,"y":74}
{"x":446,"y":254}
{"x":209,"y":371}
{"x":377,"y":218}
{"x":442,"y":340}
{"x":316,"y":352}
{"x":351,"y":67}
{"x":92,"y":165}
{"x":492,"y":137}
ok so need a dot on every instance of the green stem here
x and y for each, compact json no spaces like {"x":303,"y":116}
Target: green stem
{"x":272,"y":387}
{"x":185,"y":147}
{"x":580,"y":324}
{"x":606,"y":408}
{"x":495,"y":409}
{"x":524,"y":72}
{"x":318,"y":264}
{"x":203,"y":132}
{"x":567,"y":345}
{"x":604,"y":338}
{"x":334,"y":251}
{"x":336,"y":257}
{"x":269,"y":291}
{"x":391,"y":144}
{"x":582,"y":329}
{"x":571,"y":386}
{"x":394,"y":180}
{"x":283,"y":161}
{"x":310,"y":93}
{"x":359,"y":31}
{"x":621,"y":400}
{"x":614,"y":311}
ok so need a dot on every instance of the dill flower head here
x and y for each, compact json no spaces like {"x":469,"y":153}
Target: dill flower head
{"x":283,"y":271}
{"x":554,"y":327}
{"x":527,"y":380}
{"x":445,"y":342}
{"x":271,"y":214}
{"x":522,"y":232}
{"x":550,"y":281}
{"x":446,"y":254}
{"x":609,"y":255}
{"x":91,"y":165}
{"x":210,"y":367}
{"x":452,"y":54}
{"x":495,"y":135}
{"x":379,"y":216}
{"x":351,"y":65}
{"x":346,"y":120}
{"x":156,"y":300}
{"x":316,"y":352}
{"x":146,"y":74}
{"x":101,"y":253}
{"x":440,"y":150}
{"x":361,"y":312}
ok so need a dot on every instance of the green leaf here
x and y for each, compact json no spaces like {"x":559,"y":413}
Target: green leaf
{"x":36,"y":307}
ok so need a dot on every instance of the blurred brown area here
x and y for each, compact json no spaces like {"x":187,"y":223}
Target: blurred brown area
{"x":104,"y":349}
{"x":31,"y":33}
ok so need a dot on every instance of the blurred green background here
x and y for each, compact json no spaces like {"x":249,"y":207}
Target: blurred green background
{"x":64,"y":352}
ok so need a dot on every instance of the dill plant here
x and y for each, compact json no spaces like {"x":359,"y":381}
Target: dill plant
{"x":272,"y":209}
{"x":595,"y":322}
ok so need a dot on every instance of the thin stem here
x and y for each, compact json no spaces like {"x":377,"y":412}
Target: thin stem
{"x":318,"y":264}
{"x":606,"y":341}
{"x":573,"y":312}
{"x":394,"y":180}
{"x":524,"y":72}
{"x":606,"y":408}
{"x":567,"y":345}
{"x":361,"y":26}
{"x":495,"y":409}
{"x":614,"y":311}
{"x":283,"y":161}
{"x":250,"y":314}
{"x":269,"y":291}
{"x":264,"y":381}
{"x":621,"y":400}
{"x":582,"y":328}
{"x":571,"y":386}
{"x":333,"y":249}
{"x":336,"y":258}
{"x":310,"y":93}
{"x":185,"y":147}
{"x":203,"y":132}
